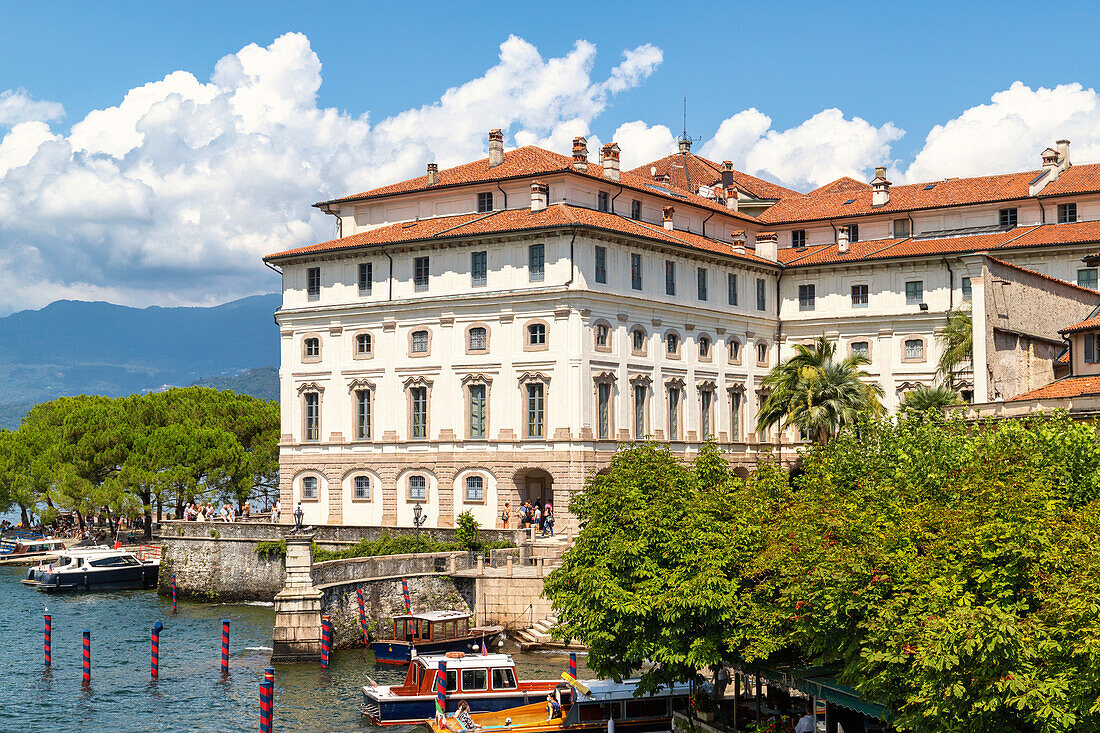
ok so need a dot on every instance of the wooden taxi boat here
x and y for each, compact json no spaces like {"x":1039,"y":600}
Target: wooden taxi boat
{"x":486,"y":682}
{"x":594,"y":704}
{"x":434,"y":632}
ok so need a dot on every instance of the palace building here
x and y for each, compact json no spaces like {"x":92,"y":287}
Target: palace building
{"x":489,"y":334}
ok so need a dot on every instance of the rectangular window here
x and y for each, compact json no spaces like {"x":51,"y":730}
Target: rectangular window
{"x":504,"y":679}
{"x":485,"y":202}
{"x":536,"y":262}
{"x":479,"y":269}
{"x":313,"y":416}
{"x":601,"y":264}
{"x":701,"y":282}
{"x":731,"y":287}
{"x":362,"y":487}
{"x":477,"y":410}
{"x":639,"y":411}
{"x":418,"y":396}
{"x":859,"y":296}
{"x":418,"y":488}
{"x":670,"y":277}
{"x":366,"y":278}
{"x":601,"y":201}
{"x":798,"y":238}
{"x":475,"y":491}
{"x":420,"y":274}
{"x":536,"y":334}
{"x":807,"y":295}
{"x":536,"y":410}
{"x":603,"y":394}
{"x":313,"y":283}
{"x":673,"y":413}
{"x":362,"y":414}
{"x":706,"y":400}
{"x":861,"y":348}
{"x":914,"y":292}
{"x":636,"y":271}
{"x":420,"y":342}
{"x":475,"y":679}
{"x":635,"y":209}
{"x":968,"y":290}
{"x":1086,"y":277}
{"x":901,"y":228}
{"x":1067,"y":213}
{"x":761,"y":294}
{"x":1089,"y":341}
{"x":914,"y":349}
{"x":309,"y":487}
{"x":853,"y":232}
{"x":1008,"y":217}
{"x":735,"y":416}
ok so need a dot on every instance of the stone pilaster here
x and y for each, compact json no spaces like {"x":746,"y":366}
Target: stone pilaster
{"x":297,"y":634}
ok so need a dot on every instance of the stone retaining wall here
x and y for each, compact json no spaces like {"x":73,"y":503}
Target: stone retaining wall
{"x":333,"y":572}
{"x":514,"y":603}
{"x":219,"y":569}
{"x":322,"y":535}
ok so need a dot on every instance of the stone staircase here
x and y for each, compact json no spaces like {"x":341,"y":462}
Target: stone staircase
{"x":537,"y":635}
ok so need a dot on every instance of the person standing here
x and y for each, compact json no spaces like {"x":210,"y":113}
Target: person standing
{"x":275,"y":511}
{"x":506,"y":514}
{"x":548,"y":520}
{"x":805,"y":724}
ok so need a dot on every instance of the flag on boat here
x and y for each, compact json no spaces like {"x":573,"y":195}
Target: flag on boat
{"x":405,"y":592}
{"x":484,"y":649}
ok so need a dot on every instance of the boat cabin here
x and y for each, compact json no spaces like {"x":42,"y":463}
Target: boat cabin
{"x":465,"y":673}
{"x":615,"y":701}
{"x":431,"y":626}
{"x":30,"y":547}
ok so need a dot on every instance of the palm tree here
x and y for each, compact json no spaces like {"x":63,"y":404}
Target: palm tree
{"x":957,"y":341}
{"x":925,"y":398}
{"x":817,"y":394}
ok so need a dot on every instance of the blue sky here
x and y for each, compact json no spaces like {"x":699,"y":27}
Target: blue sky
{"x":151,"y":153}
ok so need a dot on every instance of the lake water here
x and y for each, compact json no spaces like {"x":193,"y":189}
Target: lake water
{"x":190,"y":694}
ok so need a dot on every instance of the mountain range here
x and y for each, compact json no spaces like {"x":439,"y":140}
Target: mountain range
{"x":76,"y":347}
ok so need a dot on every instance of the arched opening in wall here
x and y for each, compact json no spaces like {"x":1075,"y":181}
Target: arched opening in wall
{"x":535,"y":485}
{"x":741,"y":472}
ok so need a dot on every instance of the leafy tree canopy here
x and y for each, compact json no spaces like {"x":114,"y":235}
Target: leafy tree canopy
{"x":946,"y":572}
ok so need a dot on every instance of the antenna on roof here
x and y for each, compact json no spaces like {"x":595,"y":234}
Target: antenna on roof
{"x":685,"y":141}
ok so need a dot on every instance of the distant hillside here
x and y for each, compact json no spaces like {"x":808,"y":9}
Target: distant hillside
{"x":262,"y":382}
{"x":74,"y":347}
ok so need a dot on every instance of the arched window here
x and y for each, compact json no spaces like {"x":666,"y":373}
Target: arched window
{"x":309,"y":487}
{"x":362,"y":488}
{"x":479,"y":338}
{"x":762,"y":353}
{"x":735,"y":351}
{"x":536,"y":334}
{"x":418,"y":487}
{"x":704,"y":347}
{"x":602,"y":333}
{"x":475,"y":488}
{"x":420,"y":342}
{"x":311,"y":348}
{"x":637,"y":340}
{"x":363,"y":344}
{"x":672,"y":343}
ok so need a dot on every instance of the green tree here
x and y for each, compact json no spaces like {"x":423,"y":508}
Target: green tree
{"x":956,"y":345}
{"x":818,"y":394}
{"x":923,"y":398}
{"x":466,"y":531}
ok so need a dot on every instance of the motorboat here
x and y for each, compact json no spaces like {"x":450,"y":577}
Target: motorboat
{"x":434,"y":632}
{"x":97,"y":568}
{"x":594,"y":704}
{"x":487,"y":682}
{"x":28,"y":547}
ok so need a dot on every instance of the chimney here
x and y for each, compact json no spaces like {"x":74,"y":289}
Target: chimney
{"x":727,"y":174}
{"x":540,"y":196}
{"x":1063,"y":154}
{"x":609,"y":159}
{"x":767,"y":245}
{"x":685,"y":145}
{"x":737,"y":239}
{"x":668,"y":212}
{"x":842,"y":240}
{"x":433,"y":174}
{"x":732,"y":198}
{"x":580,"y":154}
{"x":496,"y":148}
{"x":880,"y":187}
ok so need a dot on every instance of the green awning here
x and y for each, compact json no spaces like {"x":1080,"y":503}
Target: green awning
{"x":819,"y":682}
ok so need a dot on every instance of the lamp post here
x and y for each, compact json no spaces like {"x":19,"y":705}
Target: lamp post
{"x":418,"y":520}
{"x":298,"y":514}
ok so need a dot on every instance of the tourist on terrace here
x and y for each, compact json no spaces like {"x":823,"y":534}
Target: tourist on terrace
{"x":548,"y":521}
{"x":506,"y":515}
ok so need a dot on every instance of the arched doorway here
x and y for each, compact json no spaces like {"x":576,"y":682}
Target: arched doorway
{"x":535,"y":485}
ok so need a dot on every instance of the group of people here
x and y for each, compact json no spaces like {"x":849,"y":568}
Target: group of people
{"x":539,"y":517}
{"x":466,"y":723}
{"x":196,"y":511}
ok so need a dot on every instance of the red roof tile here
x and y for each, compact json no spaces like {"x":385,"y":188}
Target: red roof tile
{"x":513,"y":220}
{"x":830,"y":201}
{"x":1089,"y":324}
{"x":1064,"y":358}
{"x":687,"y":171}
{"x":1069,"y":387}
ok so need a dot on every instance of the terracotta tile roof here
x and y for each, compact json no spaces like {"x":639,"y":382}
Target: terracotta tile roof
{"x":1075,"y":179}
{"x":1018,"y":238}
{"x":514,"y":220}
{"x":841,"y":185}
{"x":1064,"y":358}
{"x":687,"y":171}
{"x":1064,"y":388}
{"x":530,"y":162}
{"x":1089,"y":324}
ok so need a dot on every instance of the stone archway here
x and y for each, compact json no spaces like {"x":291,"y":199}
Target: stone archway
{"x":535,"y":485}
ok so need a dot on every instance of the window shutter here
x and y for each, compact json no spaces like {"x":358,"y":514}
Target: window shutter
{"x":1090,"y":348}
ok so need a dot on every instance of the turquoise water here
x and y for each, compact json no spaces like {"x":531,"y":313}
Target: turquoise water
{"x":190,"y":694}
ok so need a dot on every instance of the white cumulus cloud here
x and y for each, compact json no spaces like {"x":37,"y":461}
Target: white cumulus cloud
{"x":174,"y":194}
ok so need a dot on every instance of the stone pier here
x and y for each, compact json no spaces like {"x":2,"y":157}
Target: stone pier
{"x":297,"y":635}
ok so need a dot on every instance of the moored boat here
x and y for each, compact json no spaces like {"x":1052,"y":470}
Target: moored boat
{"x":487,"y":682}
{"x":594,"y":704}
{"x":97,"y":568}
{"x":434,"y":632}
{"x":28,"y":547}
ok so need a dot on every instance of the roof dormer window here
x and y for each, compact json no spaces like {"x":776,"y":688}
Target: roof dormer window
{"x":485,"y":202}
